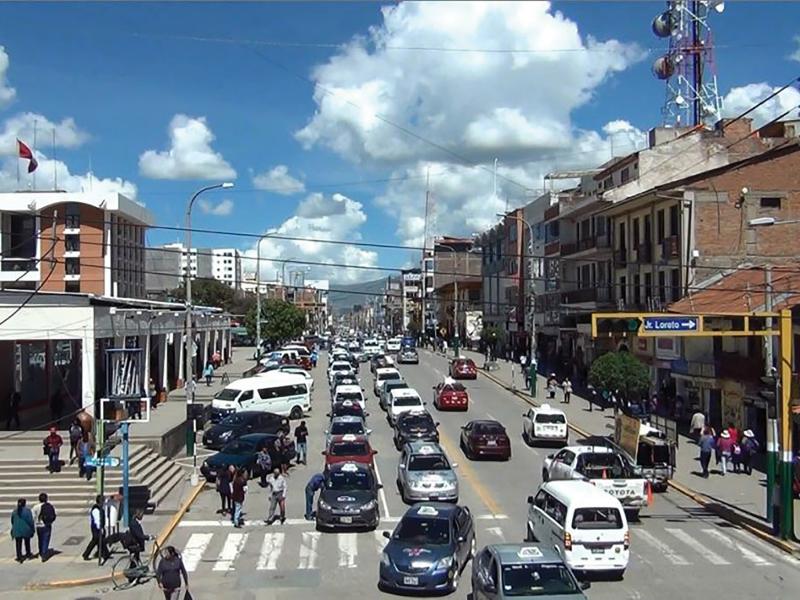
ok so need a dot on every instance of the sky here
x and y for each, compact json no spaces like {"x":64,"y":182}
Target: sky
{"x":330,"y":117}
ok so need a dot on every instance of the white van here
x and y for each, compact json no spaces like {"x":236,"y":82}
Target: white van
{"x":284,"y":394}
{"x":586,"y":525}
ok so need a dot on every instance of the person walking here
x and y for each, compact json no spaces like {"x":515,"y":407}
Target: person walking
{"x":749,"y":448}
{"x":169,"y":572}
{"x":567,"y":387}
{"x":85,"y":451}
{"x":52,"y":447}
{"x":152,"y":394}
{"x":313,"y":486}
{"x":97,"y":527}
{"x":111,"y":508}
{"x":282,"y":451}
{"x":75,"y":436}
{"x":44,"y":515}
{"x":224,"y":481}
{"x":551,"y":386}
{"x":208,"y":373}
{"x":314,"y":358}
{"x":22,"y":528}
{"x":301,"y":442}
{"x":523,"y":360}
{"x":725,"y":448}
{"x":238,"y":493}
{"x":264,"y":462}
{"x":277,"y":496}
{"x":707,"y":445}
{"x":697,"y":424}
{"x":13,"y":409}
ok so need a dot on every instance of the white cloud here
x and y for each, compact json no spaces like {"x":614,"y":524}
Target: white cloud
{"x":68,"y":134}
{"x":318,"y":217}
{"x":740,"y":99}
{"x":477,"y":104}
{"x":794,"y":56}
{"x":221,"y":209}
{"x":7,"y":93}
{"x":190,"y":155}
{"x":279,"y":181}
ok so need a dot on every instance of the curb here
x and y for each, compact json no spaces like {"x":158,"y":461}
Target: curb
{"x":160,"y":541}
{"x":727,"y":514}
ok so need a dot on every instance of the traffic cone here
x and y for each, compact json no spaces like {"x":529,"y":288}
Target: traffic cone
{"x":604,"y":474}
{"x":649,"y":494}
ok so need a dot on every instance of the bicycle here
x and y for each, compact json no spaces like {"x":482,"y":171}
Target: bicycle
{"x":130,"y":570}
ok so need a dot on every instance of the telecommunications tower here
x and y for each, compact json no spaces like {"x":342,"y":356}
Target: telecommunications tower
{"x":688,"y":66}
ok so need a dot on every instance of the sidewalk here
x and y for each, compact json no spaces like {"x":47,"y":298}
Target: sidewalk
{"x":743,"y":495}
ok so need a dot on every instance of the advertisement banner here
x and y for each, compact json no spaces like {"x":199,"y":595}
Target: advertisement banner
{"x":626,"y":433}
{"x":473,"y":320}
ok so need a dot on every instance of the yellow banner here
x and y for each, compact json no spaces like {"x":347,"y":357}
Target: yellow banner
{"x":626,"y":433}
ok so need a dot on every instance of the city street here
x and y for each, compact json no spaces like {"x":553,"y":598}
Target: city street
{"x":677,"y":548}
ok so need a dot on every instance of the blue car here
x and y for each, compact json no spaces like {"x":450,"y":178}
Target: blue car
{"x":428,"y":549}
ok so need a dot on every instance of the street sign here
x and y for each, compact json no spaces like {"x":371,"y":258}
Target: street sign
{"x":670,"y":325}
{"x":106,"y":461}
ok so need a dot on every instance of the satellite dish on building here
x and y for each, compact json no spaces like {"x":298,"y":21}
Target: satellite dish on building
{"x":663,"y":67}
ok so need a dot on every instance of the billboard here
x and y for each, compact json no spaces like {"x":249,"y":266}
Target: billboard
{"x":473,"y":320}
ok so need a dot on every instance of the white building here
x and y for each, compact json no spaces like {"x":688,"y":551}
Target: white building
{"x":226,"y":266}
{"x":166,"y":265}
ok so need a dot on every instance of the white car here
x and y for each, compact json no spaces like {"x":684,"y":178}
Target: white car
{"x":393,"y":345}
{"x":545,"y":424}
{"x":350,"y":392}
{"x":339,"y":366}
{"x":384,"y":374}
{"x":403,"y":400}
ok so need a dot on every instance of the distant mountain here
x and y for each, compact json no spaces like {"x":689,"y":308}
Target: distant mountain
{"x":343,"y":297}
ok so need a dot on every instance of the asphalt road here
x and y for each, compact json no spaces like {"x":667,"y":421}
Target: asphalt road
{"x":678,"y":549}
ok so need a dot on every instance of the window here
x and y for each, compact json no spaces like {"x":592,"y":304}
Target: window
{"x":770,"y":202}
{"x":600,"y":226}
{"x":624,"y":175}
{"x":648,"y":286}
{"x":662,"y":286}
{"x":635,"y":233}
{"x":72,"y":286}
{"x":608,"y":183}
{"x":72,"y":218}
{"x":660,"y":226}
{"x":623,"y":283}
{"x":675,"y":284}
{"x":637,"y":289}
{"x":673,"y":220}
{"x":72,"y":266}
{"x":623,"y":243}
{"x":648,"y":230}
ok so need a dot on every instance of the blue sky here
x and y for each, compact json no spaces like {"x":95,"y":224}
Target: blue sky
{"x":122,"y":72}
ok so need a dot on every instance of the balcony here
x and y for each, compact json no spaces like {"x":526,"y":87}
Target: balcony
{"x":670,"y":248}
{"x":552,"y":248}
{"x":621,"y":257}
{"x":18,"y":264}
{"x":592,"y":294}
{"x":644,"y":253}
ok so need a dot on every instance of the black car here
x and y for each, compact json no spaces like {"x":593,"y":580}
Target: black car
{"x":242,"y":454}
{"x":241,"y":423}
{"x":428,"y":549}
{"x":415,"y":426}
{"x":377,"y":361}
{"x":349,"y":498}
{"x":347,"y":408}
{"x":343,"y":379}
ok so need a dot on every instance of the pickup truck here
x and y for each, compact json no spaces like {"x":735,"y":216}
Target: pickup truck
{"x":605,"y":468}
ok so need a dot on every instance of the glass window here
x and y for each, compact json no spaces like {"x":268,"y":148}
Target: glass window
{"x":72,"y":218}
{"x":72,"y":266}
{"x":349,"y":449}
{"x":660,"y":225}
{"x":407,"y":401}
{"x":489,"y":429}
{"x":349,"y":481}
{"x":597,"y":518}
{"x":420,"y":531}
{"x":345,"y":427}
{"x":537,"y":579}
{"x":550,"y":418}
{"x":430,"y":462}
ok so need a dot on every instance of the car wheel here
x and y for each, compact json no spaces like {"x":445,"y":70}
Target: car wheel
{"x":633,"y":514}
{"x":529,"y":537}
{"x":296,"y":413}
{"x":545,"y":475}
{"x":456,"y":576}
{"x":619,"y":575}
{"x":472,"y":548}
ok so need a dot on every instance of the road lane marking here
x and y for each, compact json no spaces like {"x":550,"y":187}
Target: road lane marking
{"x":381,"y":491}
{"x":348,"y":550}
{"x":706,"y":552}
{"x":496,"y":531}
{"x":234,"y":543}
{"x":767,"y":549}
{"x":380,"y":540}
{"x":271,"y":550}
{"x":669,"y":553}
{"x":746,"y":553}
{"x":308,"y":550}
{"x":469,"y":475}
{"x":194,"y":549}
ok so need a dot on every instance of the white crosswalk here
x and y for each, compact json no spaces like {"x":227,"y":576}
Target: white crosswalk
{"x":294,"y":548}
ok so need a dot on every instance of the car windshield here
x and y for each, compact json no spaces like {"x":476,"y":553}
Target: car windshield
{"x":341,"y":367}
{"x":388,"y":376}
{"x":239,"y":447}
{"x":550,"y":418}
{"x":423,"y":531}
{"x":540,"y":579}
{"x":489,"y":429}
{"x":348,"y":481}
{"x":453,"y":387}
{"x":407,"y":401}
{"x":234,"y":419}
{"x":349,"y":449}
{"x":347,"y":411}
{"x":597,"y":518}
{"x":413,"y":421}
{"x":228,"y":395}
{"x":430,"y":462}
{"x":343,"y":428}
{"x":352,"y":396}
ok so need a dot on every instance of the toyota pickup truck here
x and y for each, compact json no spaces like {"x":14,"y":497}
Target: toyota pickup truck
{"x":602,"y":466}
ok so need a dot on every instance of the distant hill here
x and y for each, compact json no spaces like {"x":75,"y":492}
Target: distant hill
{"x":343,"y":297}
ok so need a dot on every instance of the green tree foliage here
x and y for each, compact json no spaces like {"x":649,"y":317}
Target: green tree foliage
{"x":210,"y":292}
{"x":491,"y":334}
{"x":280,"y":321}
{"x":619,"y":371}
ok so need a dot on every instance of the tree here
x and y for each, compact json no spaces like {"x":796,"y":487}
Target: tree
{"x":208,"y":292}
{"x":280,"y":321}
{"x":619,"y":371}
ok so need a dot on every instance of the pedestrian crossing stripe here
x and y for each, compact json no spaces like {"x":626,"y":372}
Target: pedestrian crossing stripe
{"x":271,"y":550}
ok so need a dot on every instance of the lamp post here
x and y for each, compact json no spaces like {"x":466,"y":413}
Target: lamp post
{"x":455,"y":295}
{"x":190,"y":450}
{"x":258,"y":295}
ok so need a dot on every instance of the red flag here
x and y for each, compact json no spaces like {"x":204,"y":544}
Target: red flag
{"x":25,"y":152}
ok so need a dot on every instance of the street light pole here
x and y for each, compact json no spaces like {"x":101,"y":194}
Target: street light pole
{"x":455,"y":294}
{"x":189,"y":362}
{"x":258,"y":296}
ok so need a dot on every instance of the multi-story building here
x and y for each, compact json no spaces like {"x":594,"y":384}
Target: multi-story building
{"x":457,"y":265}
{"x":226,"y":266}
{"x":412,"y":298}
{"x":166,"y":266}
{"x":73,"y":242}
{"x":393,"y":306}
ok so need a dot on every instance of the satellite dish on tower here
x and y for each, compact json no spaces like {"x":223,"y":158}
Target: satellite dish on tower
{"x":663,"y":24}
{"x":663,"y":67}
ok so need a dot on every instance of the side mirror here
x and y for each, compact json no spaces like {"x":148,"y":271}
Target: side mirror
{"x":369,"y":431}
{"x":366,"y":414}
{"x":380,"y":486}
{"x":401,"y":466}
{"x":550,"y":456}
{"x":530,"y":499}
{"x":454,"y":465}
{"x":387,"y":535}
{"x":326,"y":432}
{"x":585,"y":585}
{"x":327,"y":414}
{"x":437,"y":423}
{"x":324,"y":453}
{"x":461,"y":539}
{"x":374,"y":451}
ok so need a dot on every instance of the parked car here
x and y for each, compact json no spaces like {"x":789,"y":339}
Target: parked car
{"x":241,"y":453}
{"x":463,"y":368}
{"x":450,"y":395}
{"x":239,"y":424}
{"x":485,"y":438}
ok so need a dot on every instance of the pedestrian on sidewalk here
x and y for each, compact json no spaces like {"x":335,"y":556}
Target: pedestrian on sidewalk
{"x":697,"y":424}
{"x":52,"y":447}
{"x":22,"y":528}
{"x":301,"y":442}
{"x":551,"y":386}
{"x":567,"y":387}
{"x":314,"y":358}
{"x":97,"y":527}
{"x":75,"y":435}
{"x":224,"y":480}
{"x":725,"y":447}
{"x":591,"y":397}
{"x":749,"y":448}
{"x":152,"y":394}
{"x":44,"y":515}
{"x":208,"y":373}
{"x":111,"y":508}
{"x":313,"y":486}
{"x":238,"y":494}
{"x":277,"y":496}
{"x":169,"y":572}
{"x":13,"y":410}
{"x":707,"y":445}
{"x":264,"y":462}
{"x":654,"y":404}
{"x":85,"y":451}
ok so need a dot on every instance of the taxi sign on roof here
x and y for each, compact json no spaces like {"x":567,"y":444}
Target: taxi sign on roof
{"x":529,"y":552}
{"x":349,"y":437}
{"x":349,"y":467}
{"x":347,"y":403}
{"x":426,"y":450}
{"x":428,"y":511}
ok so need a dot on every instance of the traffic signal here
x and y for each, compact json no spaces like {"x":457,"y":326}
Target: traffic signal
{"x":607,"y":326}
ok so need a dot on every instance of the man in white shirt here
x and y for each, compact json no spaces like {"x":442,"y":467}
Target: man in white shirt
{"x":276,"y":483}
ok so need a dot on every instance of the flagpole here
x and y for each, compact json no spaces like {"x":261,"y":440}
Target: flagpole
{"x":18,"y":184}
{"x":55,"y":167}
{"x":34,"y":152}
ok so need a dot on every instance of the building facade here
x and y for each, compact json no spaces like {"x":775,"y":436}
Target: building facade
{"x":166,"y":266}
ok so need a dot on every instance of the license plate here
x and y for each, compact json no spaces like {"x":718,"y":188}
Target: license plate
{"x":345,"y":519}
{"x":598,"y":550}
{"x":411,"y":580}
{"x":491,"y":443}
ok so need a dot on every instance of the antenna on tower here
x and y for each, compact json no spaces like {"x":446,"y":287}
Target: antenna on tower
{"x":688,"y":66}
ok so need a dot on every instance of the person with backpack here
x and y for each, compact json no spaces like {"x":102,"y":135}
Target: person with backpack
{"x":97,"y":527}
{"x":52,"y":446}
{"x":75,"y":437}
{"x":749,"y":448}
{"x":22,"y":528}
{"x":44,"y":515}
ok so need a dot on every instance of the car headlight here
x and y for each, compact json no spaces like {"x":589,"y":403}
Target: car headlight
{"x":324,"y":505}
{"x":444,"y":563}
{"x":369,"y":505}
{"x":385,"y":560}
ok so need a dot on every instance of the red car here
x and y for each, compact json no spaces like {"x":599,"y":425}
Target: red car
{"x":349,"y":448}
{"x":485,"y":438}
{"x":450,"y":395}
{"x":463,"y":368}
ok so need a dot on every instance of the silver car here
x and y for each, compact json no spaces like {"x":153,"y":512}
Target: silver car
{"x":425,"y":474}
{"x":346,"y":425}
